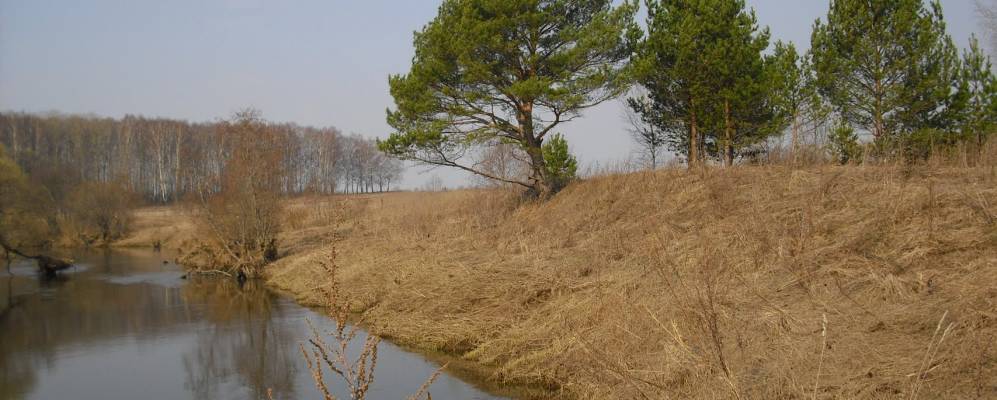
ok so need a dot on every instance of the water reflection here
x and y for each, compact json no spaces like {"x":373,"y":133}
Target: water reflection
{"x":242,"y":345}
{"x":124,"y":326}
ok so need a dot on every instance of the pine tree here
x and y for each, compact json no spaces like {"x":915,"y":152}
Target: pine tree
{"x":794,"y":96}
{"x":706,"y":79}
{"x":978,"y":92}
{"x":562,"y":166}
{"x":512,"y":70}
{"x":886,"y":66}
{"x":671,"y":64}
{"x":743,"y":87}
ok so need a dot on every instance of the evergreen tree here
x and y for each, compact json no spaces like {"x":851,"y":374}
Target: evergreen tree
{"x":978,"y":93}
{"x":562,"y":166}
{"x":794,"y":96}
{"x":744,"y":95}
{"x":671,"y":64}
{"x":844,"y":144}
{"x":886,"y":66}
{"x":507,"y":69}
{"x":706,"y":79}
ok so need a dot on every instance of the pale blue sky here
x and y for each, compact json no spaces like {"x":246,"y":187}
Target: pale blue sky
{"x":314,"y":62}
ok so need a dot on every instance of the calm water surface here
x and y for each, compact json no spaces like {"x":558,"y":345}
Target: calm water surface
{"x":123,"y":325}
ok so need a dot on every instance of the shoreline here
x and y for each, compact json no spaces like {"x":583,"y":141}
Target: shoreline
{"x":152,"y":228}
{"x":469,"y":372}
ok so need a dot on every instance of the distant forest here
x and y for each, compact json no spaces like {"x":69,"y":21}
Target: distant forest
{"x":164,"y":160}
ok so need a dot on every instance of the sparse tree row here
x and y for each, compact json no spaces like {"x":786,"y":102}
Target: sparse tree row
{"x":164,"y":160}
{"x":491,"y":81}
{"x":886,"y":70}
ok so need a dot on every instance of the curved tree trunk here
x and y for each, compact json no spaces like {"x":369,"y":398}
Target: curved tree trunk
{"x":47,"y":265}
{"x":539,"y":181}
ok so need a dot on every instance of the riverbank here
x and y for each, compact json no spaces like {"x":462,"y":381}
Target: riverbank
{"x":757,"y":282}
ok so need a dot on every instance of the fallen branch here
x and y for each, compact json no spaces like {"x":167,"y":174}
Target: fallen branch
{"x":48,"y":265}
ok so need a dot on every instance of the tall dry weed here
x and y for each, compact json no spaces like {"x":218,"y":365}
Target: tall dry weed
{"x":357,"y":374}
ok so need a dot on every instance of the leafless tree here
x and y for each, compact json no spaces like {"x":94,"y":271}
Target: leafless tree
{"x":987,"y":12}
{"x":165,"y":160}
{"x":434,"y":184}
{"x":503,"y":160}
{"x":243,"y":215}
{"x":649,"y":138}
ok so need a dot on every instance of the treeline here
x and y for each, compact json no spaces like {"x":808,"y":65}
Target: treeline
{"x":717,"y":89}
{"x":164,"y":160}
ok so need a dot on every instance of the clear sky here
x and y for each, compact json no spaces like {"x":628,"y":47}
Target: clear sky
{"x":313,"y":62}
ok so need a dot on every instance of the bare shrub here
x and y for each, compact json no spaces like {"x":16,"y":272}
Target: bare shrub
{"x":357,"y":374}
{"x":503,"y":160}
{"x":987,"y":12}
{"x":241,"y":209}
{"x":100,"y":212}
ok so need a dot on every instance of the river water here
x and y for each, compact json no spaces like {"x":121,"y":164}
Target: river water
{"x":123,"y":325}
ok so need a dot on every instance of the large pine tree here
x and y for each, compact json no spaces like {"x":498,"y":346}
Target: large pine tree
{"x":509,"y":71}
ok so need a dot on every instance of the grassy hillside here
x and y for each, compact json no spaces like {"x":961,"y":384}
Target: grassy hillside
{"x":754,"y":282}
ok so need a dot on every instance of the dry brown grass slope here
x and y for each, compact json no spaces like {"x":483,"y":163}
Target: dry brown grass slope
{"x":167,"y":225}
{"x":754,"y":282}
{"x":757,"y":282}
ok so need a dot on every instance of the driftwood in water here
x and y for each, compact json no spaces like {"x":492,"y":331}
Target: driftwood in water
{"x":50,"y":266}
{"x":47,"y":265}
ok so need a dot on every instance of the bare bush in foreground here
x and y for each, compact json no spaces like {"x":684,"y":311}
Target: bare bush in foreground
{"x":357,"y":374}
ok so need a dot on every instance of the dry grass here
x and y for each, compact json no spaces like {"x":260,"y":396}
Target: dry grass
{"x":750,"y":283}
{"x":755,"y":282}
{"x":355,"y":374}
{"x":168,"y":226}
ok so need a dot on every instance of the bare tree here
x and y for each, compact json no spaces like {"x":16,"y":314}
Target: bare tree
{"x":100,"y":212}
{"x":243,"y":216}
{"x":434,"y":184}
{"x":165,"y":160}
{"x":987,"y":11}
{"x":504,"y":160}
{"x":650,"y":139}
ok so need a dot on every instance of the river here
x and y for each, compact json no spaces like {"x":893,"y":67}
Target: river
{"x":124,"y":325}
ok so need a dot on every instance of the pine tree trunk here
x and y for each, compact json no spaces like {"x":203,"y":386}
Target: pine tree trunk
{"x":796,"y":138}
{"x":728,"y":136}
{"x":878,"y":111}
{"x":539,"y":180}
{"x":693,"y":156}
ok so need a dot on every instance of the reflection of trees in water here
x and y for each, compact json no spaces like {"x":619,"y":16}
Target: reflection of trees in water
{"x":50,"y":315}
{"x":236,"y":337}
{"x":17,"y":374}
{"x":247,"y":341}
